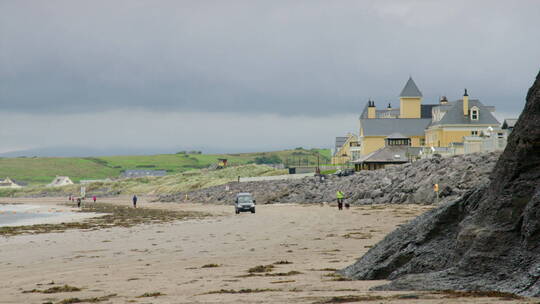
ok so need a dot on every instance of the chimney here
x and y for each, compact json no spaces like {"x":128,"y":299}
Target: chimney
{"x":443,"y":100}
{"x":465,"y":103}
{"x":371,"y":109}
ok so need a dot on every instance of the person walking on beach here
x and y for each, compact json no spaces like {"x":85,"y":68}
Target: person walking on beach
{"x":134,"y":201}
{"x":340,"y":196}
{"x":94,"y":198}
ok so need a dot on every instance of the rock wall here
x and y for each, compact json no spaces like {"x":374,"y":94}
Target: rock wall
{"x":488,"y":240}
{"x":409,"y":183}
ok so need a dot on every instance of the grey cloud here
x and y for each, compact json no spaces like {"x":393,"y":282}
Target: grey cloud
{"x":282,"y":57}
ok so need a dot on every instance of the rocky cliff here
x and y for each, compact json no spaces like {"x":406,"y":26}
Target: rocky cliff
{"x":409,"y":183}
{"x":488,"y":240}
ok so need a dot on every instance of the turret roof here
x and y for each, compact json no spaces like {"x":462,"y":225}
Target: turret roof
{"x":410,"y":89}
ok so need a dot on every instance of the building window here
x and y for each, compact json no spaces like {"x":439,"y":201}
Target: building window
{"x":474,"y":113}
{"x":474,"y":133}
{"x":398,"y":142}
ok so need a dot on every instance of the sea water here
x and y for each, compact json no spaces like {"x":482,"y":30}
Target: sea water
{"x":17,"y":215}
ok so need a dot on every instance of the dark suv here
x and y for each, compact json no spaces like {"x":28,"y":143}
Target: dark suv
{"x":244,"y":202}
{"x":345,"y":172}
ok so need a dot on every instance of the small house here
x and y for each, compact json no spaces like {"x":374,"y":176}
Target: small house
{"x":397,"y":151}
{"x":9,"y":183}
{"x":60,"y":181}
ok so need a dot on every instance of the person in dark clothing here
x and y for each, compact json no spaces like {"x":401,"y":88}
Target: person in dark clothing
{"x":78,"y":202}
{"x":134,"y":201}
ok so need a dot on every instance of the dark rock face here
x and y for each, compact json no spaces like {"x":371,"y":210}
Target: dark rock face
{"x":487,"y":240}
{"x":409,"y":183}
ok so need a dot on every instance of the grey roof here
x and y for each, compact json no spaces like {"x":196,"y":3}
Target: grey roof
{"x":394,"y":112}
{"x":396,"y":135}
{"x":387,"y":126}
{"x":509,"y":123}
{"x":388,"y":154}
{"x":447,"y":106}
{"x":340,"y":140}
{"x":143,"y":173}
{"x":454,"y":115}
{"x":410,"y":89}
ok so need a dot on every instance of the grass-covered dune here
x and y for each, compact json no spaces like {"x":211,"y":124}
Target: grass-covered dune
{"x":174,"y":183}
{"x":42,"y":170}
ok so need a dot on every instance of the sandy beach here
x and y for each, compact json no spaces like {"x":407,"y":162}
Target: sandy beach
{"x":207,"y":260}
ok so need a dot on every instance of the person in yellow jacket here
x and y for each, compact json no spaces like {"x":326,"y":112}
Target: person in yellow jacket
{"x":340,"y":196}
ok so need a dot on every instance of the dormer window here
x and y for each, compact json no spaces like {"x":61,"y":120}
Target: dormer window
{"x":475,"y":113}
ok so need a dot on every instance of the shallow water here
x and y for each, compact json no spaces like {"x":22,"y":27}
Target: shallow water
{"x":16,"y":215}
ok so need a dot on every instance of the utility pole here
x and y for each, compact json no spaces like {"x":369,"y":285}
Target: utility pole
{"x":318,"y":164}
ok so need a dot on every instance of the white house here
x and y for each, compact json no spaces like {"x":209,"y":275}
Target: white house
{"x":60,"y":181}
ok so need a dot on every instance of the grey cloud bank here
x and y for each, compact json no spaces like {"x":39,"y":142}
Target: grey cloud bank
{"x":286,"y":57}
{"x":295,"y":61}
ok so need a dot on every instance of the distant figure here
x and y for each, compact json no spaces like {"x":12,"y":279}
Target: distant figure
{"x":134,"y":201}
{"x":69,"y":198}
{"x":78,"y":202}
{"x":94,"y":198}
{"x":436,"y":190}
{"x":340,"y":196}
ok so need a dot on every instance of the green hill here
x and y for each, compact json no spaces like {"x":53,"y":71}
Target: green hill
{"x":41,"y":170}
{"x":174,"y":183}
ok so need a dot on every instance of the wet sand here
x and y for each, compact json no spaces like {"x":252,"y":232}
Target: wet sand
{"x":169,"y":258}
{"x":28,"y":214}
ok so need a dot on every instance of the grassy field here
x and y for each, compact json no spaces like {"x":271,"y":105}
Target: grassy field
{"x":38,"y":170}
{"x":174,"y":183}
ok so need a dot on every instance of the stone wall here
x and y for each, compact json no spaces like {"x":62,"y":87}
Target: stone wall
{"x":409,"y":183}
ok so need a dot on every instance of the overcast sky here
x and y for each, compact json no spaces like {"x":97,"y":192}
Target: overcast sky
{"x":246,"y":75}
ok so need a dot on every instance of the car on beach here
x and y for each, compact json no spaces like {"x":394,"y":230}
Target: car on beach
{"x":244,"y":202}
{"x":344,"y":172}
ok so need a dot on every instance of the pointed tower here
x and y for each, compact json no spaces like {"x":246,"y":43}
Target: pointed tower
{"x":410,"y":100}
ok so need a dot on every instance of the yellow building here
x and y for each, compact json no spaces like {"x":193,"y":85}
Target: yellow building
{"x":433,"y":125}
{"x":410,"y":119}
{"x":452,"y":121}
{"x":443,"y":124}
{"x":346,"y":149}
